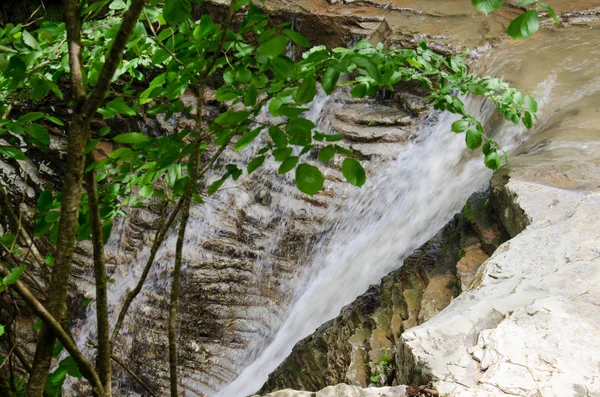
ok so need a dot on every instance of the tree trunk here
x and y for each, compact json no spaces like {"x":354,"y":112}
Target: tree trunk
{"x":61,"y":271}
{"x":103,"y":357}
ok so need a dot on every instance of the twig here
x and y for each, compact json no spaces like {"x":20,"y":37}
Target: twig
{"x":160,"y":43}
{"x":126,"y":368}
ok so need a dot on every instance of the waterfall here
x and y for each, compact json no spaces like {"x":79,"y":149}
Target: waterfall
{"x":403,"y":204}
{"x":398,"y":210}
{"x":406,"y":203}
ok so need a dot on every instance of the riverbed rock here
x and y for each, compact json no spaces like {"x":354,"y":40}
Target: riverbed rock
{"x":358,"y":346}
{"x":527,"y":326}
{"x":343,"y":390}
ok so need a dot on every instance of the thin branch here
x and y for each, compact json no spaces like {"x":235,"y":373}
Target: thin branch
{"x":103,"y":327}
{"x":187,"y":199}
{"x":8,"y":355}
{"x":158,"y":240}
{"x":84,"y":366}
{"x":28,"y":240}
{"x":160,"y":43}
{"x":113,"y":59}
{"x":129,"y":371}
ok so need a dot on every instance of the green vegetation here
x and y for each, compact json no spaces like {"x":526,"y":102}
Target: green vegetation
{"x":526,"y":24}
{"x":128,"y":59}
{"x":383,"y":369}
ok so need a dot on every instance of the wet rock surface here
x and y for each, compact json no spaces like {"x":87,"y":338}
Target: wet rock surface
{"x":345,"y":391}
{"x":358,"y":346}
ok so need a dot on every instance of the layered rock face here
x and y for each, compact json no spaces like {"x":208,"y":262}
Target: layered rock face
{"x":527,"y":326}
{"x":244,"y":246}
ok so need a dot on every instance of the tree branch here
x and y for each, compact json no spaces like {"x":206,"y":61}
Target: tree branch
{"x":103,"y":327}
{"x":158,"y":240}
{"x":84,"y":366}
{"x":113,"y":59}
{"x":187,"y":197}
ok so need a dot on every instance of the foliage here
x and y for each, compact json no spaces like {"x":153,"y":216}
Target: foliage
{"x":383,"y":368}
{"x":167,"y":55}
{"x":526,"y":24}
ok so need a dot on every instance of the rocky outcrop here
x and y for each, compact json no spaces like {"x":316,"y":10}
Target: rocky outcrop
{"x":526,"y":327}
{"x":343,"y":390}
{"x":358,"y":346}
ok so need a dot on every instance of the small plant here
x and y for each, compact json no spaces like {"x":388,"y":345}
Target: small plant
{"x":383,"y":368}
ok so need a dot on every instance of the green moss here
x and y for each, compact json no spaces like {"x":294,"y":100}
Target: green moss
{"x":460,"y":254}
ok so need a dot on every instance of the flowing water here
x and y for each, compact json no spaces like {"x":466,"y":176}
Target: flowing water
{"x":408,"y":199}
{"x":411,"y":198}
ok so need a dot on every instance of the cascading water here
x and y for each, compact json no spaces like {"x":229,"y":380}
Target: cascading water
{"x":399,"y":209}
{"x":406,"y":202}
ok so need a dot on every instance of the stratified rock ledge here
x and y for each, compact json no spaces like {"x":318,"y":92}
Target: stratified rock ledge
{"x":529,"y":326}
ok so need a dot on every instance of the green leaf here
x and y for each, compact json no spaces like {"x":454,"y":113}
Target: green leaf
{"x":231,"y":117}
{"x":14,"y":275}
{"x":58,"y":347}
{"x":359,"y":90}
{"x":1,"y":329}
{"x":204,"y":27}
{"x":255,"y":163}
{"x":330,"y":79}
{"x":239,"y":4}
{"x":49,"y":260}
{"x":118,"y":105}
{"x":474,"y":138}
{"x":524,"y":25}
{"x":131,"y":138}
{"x":176,"y":11}
{"x":530,"y":103}
{"x":460,"y":125}
{"x":297,"y":38}
{"x":146,"y":191}
{"x":71,"y":367}
{"x":243,"y":75}
{"x":7,"y":240}
{"x":274,"y":106}
{"x":527,"y":120}
{"x":39,"y":133}
{"x":290,"y":111}
{"x":327,"y":153}
{"x":309,"y":179}
{"x":30,"y":40}
{"x":12,"y":152}
{"x":306,"y":91}
{"x":486,"y":6}
{"x":288,"y":165}
{"x":299,"y":131}
{"x":354,"y":172}
{"x":526,"y":3}
{"x":282,"y":154}
{"x":86,"y":302}
{"x":278,"y":137}
{"x":250,"y":95}
{"x":44,"y":201}
{"x":37,"y":325}
{"x":550,"y":11}
{"x":492,"y":160}
{"x":247,"y":138}
{"x":283,"y":66}
{"x":54,"y":120}
{"x":226,"y":93}
{"x":213,"y":187}
{"x":273,"y":47}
